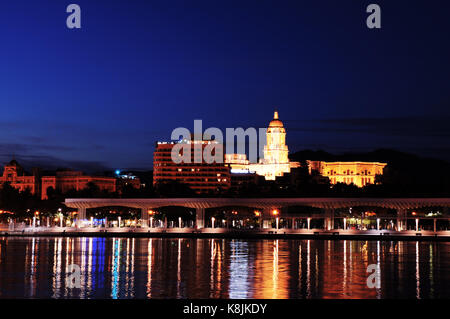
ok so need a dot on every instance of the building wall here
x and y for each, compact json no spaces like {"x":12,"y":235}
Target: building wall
{"x":201,"y":177}
{"x":74,"y":180}
{"x":15,"y":175}
{"x":358,"y":173}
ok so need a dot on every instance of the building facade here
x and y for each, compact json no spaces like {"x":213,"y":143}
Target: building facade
{"x":275,"y":162}
{"x":358,"y":173}
{"x":199,"y":174}
{"x":64,"y":181}
{"x":14,"y":174}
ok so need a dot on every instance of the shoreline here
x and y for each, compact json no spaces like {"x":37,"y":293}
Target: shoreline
{"x":280,"y":234}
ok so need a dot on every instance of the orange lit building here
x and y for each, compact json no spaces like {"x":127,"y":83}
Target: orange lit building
{"x":358,"y":173}
{"x":201,"y":176}
{"x":64,"y":181}
{"x":16,"y":176}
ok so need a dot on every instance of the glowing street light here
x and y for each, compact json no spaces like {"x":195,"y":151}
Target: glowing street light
{"x":277,"y":219}
{"x":257,"y":213}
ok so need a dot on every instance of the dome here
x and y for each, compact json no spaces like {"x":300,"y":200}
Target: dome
{"x":275,"y":122}
{"x":13,"y":163}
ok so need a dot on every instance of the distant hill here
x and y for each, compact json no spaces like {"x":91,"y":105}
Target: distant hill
{"x":381,"y":155}
{"x":405,"y":173}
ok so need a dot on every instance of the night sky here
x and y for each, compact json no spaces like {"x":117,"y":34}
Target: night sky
{"x":101,"y":96}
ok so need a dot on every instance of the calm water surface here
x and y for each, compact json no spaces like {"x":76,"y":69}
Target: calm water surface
{"x":221,"y":268}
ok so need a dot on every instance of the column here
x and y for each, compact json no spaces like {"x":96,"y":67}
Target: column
{"x":378,"y":224}
{"x":417,"y":224}
{"x":309,"y":222}
{"x":81,"y":217}
{"x":401,"y":219}
{"x":144,"y":217}
{"x":434,"y":225}
{"x":200,"y":218}
{"x":329,"y":219}
{"x":293,"y":223}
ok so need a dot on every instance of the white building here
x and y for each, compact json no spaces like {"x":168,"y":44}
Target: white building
{"x":275,"y":162}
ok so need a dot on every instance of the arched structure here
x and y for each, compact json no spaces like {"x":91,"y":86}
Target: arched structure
{"x":264,"y":204}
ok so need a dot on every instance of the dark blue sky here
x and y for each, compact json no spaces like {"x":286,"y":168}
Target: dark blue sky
{"x":101,"y":96}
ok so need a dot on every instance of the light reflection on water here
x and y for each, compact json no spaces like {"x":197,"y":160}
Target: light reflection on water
{"x":221,"y":268}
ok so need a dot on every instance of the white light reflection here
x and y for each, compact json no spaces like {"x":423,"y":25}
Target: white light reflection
{"x":378,"y":269}
{"x":308,"y":269}
{"x":179,"y":268}
{"x":417,"y":271}
{"x":57,"y":269}
{"x":238,"y":270}
{"x":149,"y":268}
{"x":275,"y":270}
{"x":431,"y":272}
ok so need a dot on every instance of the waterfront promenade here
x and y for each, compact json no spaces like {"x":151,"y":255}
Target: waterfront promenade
{"x":224,"y":233}
{"x":271,"y":217}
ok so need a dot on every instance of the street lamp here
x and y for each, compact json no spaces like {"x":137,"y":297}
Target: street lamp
{"x":277,"y":219}
{"x":36,"y":213}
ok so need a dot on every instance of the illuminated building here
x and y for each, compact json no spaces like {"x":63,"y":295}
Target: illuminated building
{"x":64,"y":181}
{"x":127,"y":179}
{"x":275,"y":162}
{"x":198,"y":174}
{"x":16,"y":176}
{"x":238,"y":162}
{"x":358,"y":173}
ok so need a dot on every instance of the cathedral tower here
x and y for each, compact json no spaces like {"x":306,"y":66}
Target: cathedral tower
{"x":276,"y":150}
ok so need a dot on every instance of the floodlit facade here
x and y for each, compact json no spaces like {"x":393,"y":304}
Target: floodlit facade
{"x":275,"y":162}
{"x":14,"y":174}
{"x":358,"y":173}
{"x":65,"y":181}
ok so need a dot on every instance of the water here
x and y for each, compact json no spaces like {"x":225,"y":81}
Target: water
{"x":221,"y":268}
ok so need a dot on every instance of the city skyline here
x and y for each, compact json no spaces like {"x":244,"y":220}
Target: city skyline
{"x":99,"y":97}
